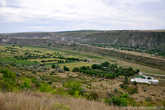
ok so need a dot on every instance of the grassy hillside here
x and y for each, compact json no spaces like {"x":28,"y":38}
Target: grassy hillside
{"x":142,"y":47}
{"x":81,"y":70}
{"x":134,"y":57}
{"x":66,"y":79}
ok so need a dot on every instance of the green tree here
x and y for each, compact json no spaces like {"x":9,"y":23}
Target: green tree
{"x":54,"y":66}
{"x":96,"y":66}
{"x":105,"y":64}
{"x":66,"y":68}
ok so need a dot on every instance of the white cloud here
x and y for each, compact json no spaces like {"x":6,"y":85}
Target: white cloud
{"x":3,"y":3}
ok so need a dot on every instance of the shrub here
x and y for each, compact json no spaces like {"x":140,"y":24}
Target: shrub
{"x":124,"y":86}
{"x":92,"y":96}
{"x":60,"y":70}
{"x":26,"y":83}
{"x":109,"y":75}
{"x":135,"y":83}
{"x":44,"y":87}
{"x":34,"y":72}
{"x":105,"y":64}
{"x":66,"y":68}
{"x":54,"y":66}
{"x":148,"y":99}
{"x":118,"y":100}
{"x":84,"y":68}
{"x":8,"y":80}
{"x":36,"y":82}
{"x":75,"y":69}
{"x":96,"y":66}
{"x":126,"y":80}
{"x":7,"y":74}
{"x":132,"y":90}
{"x":74,"y":88}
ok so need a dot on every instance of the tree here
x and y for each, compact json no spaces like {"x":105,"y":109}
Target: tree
{"x":54,"y":66}
{"x":96,"y":66}
{"x":105,"y":64}
{"x":84,"y":68}
{"x":66,"y":68}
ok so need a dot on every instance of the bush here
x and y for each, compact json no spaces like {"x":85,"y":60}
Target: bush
{"x":124,"y":86}
{"x":54,"y":65}
{"x":66,"y":68}
{"x":105,"y":64}
{"x":96,"y":66}
{"x":118,"y":100}
{"x":84,"y":68}
{"x":92,"y":96}
{"x":126,"y":81}
{"x":44,"y":87}
{"x":36,"y":82}
{"x":74,"y":88}
{"x":7,"y":74}
{"x":8,"y":82}
{"x":26,"y":83}
{"x":132,"y":90}
{"x":75,"y":69}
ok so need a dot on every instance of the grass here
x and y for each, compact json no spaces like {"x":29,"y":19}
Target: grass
{"x":40,"y":101}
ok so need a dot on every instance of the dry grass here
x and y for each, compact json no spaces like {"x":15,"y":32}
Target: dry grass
{"x":40,"y":101}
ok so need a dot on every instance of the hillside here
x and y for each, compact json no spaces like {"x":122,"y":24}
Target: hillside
{"x":146,"y":48}
{"x":149,"y":40}
{"x":64,"y":78}
{"x":41,"y":101}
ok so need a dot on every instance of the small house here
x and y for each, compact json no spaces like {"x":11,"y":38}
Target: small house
{"x":145,"y":79}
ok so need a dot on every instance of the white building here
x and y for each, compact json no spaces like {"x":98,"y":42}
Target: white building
{"x":145,"y":79}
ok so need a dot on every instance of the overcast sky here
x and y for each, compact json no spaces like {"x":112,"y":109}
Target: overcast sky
{"x":64,"y":15}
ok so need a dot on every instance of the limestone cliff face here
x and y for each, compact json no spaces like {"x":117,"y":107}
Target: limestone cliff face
{"x":141,"y":39}
{"x":137,"y":39}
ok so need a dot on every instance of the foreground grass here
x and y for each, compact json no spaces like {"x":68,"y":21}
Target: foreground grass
{"x":40,"y":101}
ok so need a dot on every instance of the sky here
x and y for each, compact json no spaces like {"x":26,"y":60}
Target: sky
{"x":67,"y":15}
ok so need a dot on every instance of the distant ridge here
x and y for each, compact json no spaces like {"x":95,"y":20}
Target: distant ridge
{"x":147,"y":39}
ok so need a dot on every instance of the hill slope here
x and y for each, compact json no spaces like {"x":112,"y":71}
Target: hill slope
{"x":135,"y":39}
